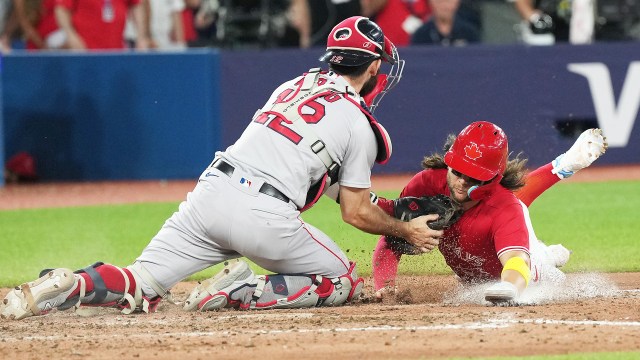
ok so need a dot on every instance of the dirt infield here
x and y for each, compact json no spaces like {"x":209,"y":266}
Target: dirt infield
{"x":423,"y":325}
{"x":430,"y":318}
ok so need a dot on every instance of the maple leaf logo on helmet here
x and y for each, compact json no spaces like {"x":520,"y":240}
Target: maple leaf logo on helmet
{"x":472,"y":151}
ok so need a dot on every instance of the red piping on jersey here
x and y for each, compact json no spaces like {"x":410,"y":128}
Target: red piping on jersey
{"x":513,"y":248}
{"x":321,"y":244}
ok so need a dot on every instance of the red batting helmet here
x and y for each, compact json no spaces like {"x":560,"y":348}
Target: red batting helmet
{"x":480,"y":151}
{"x":356,"y":41}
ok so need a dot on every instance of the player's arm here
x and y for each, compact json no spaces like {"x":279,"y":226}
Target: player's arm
{"x":141,"y":13}
{"x":511,"y":240}
{"x":514,"y":279}
{"x":178,"y":28}
{"x":372,"y":7}
{"x":63,"y":18}
{"x":300,"y":19}
{"x":524,"y":8}
{"x":516,"y":269}
{"x":358,"y":211}
{"x":27,"y":27}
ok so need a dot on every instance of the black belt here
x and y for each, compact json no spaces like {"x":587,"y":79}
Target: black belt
{"x":266,"y":189}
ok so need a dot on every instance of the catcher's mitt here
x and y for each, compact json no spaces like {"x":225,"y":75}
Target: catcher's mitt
{"x":410,"y":207}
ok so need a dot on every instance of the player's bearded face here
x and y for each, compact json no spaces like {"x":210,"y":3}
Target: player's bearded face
{"x":369,"y":85}
{"x":459,"y":187}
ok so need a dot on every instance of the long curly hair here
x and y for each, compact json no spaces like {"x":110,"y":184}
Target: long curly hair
{"x":512,"y":179}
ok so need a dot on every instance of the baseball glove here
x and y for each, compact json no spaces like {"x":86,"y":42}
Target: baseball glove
{"x":410,"y":207}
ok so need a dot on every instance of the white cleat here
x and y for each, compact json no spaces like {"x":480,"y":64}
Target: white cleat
{"x":589,"y":146}
{"x":38,"y":297}
{"x":501,"y":292}
{"x":559,"y":254}
{"x":213,"y":293}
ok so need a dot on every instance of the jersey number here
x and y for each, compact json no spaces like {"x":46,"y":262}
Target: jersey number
{"x":276,"y":123}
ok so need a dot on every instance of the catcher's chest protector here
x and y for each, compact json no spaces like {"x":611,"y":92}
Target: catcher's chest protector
{"x":308,"y":89}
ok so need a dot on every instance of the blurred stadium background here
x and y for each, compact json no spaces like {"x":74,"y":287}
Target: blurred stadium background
{"x":162,"y":115}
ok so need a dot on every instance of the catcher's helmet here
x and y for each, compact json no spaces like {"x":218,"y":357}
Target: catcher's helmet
{"x":480,"y":151}
{"x":356,"y":41}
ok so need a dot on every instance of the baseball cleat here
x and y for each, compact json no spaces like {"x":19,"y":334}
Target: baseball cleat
{"x":38,"y":297}
{"x":213,"y":293}
{"x":501,"y":292}
{"x":589,"y":146}
{"x":559,"y":254}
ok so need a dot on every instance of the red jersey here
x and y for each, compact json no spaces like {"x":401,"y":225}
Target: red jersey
{"x":391,"y":19}
{"x":100,"y":23}
{"x":472,"y":245}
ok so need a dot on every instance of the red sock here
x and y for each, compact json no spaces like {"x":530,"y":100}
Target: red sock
{"x":385,"y":265}
{"x":537,"y":182}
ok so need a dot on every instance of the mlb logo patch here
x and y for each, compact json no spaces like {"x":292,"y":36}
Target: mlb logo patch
{"x":244,"y":182}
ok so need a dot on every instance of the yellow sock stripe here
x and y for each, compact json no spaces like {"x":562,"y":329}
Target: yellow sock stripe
{"x":518,"y":264}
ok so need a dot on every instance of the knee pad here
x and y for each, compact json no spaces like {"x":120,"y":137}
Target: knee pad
{"x":305,"y":291}
{"x":345,"y":288}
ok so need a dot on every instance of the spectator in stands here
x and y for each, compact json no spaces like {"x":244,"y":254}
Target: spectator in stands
{"x":445,"y":27}
{"x":187,"y":24}
{"x":99,"y":25}
{"x":200,"y":29}
{"x":9,"y":27}
{"x":544,"y":22}
{"x":38,"y":23}
{"x":399,"y":19}
{"x":21,"y":167}
{"x":166,"y":24}
{"x":326,"y":14}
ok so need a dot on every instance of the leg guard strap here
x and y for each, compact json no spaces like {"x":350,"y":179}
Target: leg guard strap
{"x":143,"y":276}
{"x":286,"y":292}
{"x":99,"y":287}
{"x":110,"y":286}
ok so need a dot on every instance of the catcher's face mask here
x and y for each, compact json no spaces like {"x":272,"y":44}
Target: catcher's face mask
{"x":356,"y":41}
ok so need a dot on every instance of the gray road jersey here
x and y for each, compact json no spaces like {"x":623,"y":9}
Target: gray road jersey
{"x":273,"y":152}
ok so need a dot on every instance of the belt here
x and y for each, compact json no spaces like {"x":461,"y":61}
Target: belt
{"x":266,"y":189}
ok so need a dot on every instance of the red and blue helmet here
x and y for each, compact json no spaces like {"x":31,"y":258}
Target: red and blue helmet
{"x":480,"y":151}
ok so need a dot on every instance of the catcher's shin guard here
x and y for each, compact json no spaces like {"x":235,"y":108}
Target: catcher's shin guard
{"x":106,"y":285}
{"x":236,"y":286}
{"x":100,"y":284}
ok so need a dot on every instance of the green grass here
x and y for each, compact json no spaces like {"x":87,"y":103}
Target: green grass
{"x":598,"y":221}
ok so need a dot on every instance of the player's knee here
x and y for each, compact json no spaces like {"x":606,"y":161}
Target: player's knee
{"x":341,"y":290}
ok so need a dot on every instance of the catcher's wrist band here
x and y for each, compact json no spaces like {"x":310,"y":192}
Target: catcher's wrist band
{"x":518,"y":264}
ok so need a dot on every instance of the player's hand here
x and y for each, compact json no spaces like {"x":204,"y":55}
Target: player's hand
{"x":385,"y":292}
{"x":540,"y":23}
{"x":75,"y":42}
{"x":421,"y":235}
